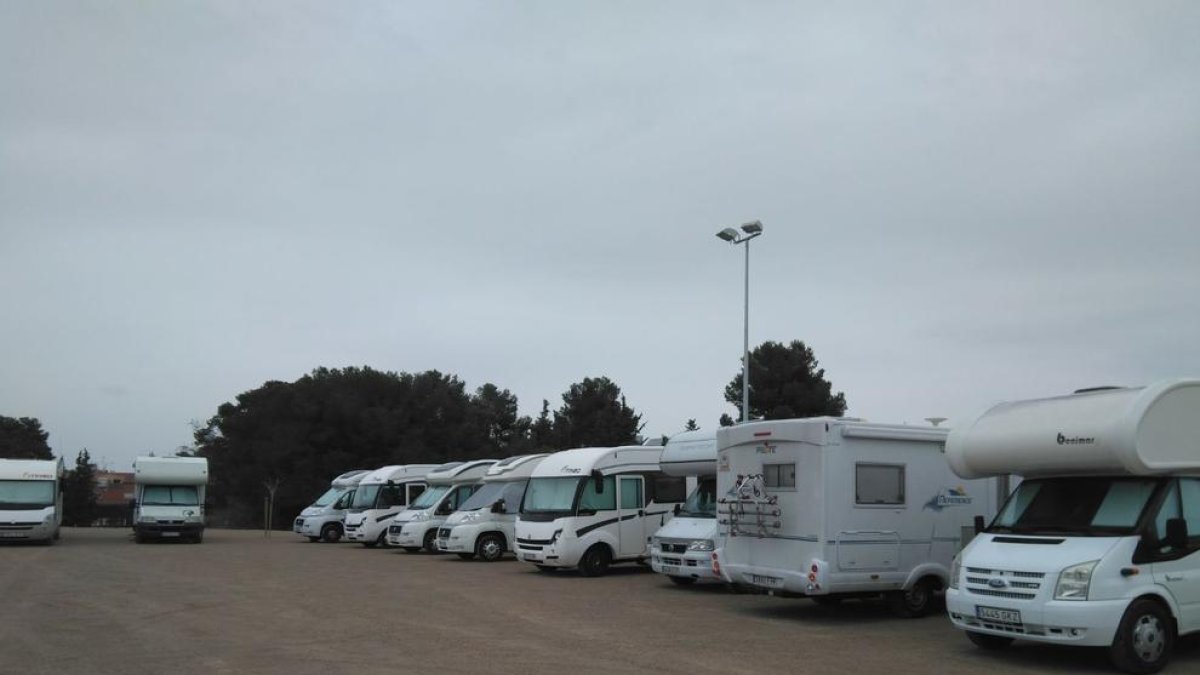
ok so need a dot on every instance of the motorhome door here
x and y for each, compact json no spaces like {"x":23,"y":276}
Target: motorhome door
{"x":631,"y":508}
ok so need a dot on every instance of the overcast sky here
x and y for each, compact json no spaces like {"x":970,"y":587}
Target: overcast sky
{"x":963,"y":202}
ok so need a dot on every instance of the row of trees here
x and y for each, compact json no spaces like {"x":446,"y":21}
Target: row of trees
{"x":291,"y":437}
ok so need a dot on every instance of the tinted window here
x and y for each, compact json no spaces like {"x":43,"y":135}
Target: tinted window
{"x":779,"y":475}
{"x":1189,"y":493}
{"x":631,"y":493}
{"x":878,"y":484}
{"x":603,"y":501}
{"x":669,"y":489}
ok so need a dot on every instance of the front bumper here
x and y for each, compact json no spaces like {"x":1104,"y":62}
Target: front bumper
{"x":771,"y":579}
{"x":1090,"y":623}
{"x":168,"y":530}
{"x":410,"y":535}
{"x":691,"y":564}
{"x":311,"y":526}
{"x":26,"y":531}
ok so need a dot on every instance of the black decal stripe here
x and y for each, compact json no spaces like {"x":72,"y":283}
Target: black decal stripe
{"x":584,"y":530}
{"x":382,"y":518}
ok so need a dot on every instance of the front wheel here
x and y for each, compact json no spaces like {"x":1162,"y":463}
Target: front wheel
{"x":1144,"y":639}
{"x":430,"y":542}
{"x":331,"y":533}
{"x":914,"y":602}
{"x":595,"y":561}
{"x":989,"y":642}
{"x":490,"y":547}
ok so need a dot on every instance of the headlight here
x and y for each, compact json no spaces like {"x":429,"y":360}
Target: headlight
{"x":49,"y":517}
{"x":419,"y":516}
{"x":701,"y":545}
{"x":655,"y":542}
{"x":1074,"y":581}
{"x":554,"y":537}
{"x":955,"y":570}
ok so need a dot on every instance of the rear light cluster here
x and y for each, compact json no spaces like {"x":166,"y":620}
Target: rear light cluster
{"x":716,"y":564}
{"x":813,"y":571}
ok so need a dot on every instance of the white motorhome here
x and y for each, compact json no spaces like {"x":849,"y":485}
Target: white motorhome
{"x":830,"y":508}
{"x":450,"y":485}
{"x":591,"y":507}
{"x":1100,"y":544}
{"x":485,"y":526}
{"x":683,"y":548}
{"x":380,"y":495}
{"x":30,"y":499}
{"x":323,"y":520}
{"x":169,"y":498}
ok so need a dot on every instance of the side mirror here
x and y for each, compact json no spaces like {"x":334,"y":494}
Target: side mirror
{"x":980,"y":526}
{"x":598,"y":481}
{"x":677,"y":509}
{"x":1177,"y":533}
{"x":498,"y":506}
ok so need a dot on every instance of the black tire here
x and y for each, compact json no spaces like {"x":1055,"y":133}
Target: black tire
{"x":314,"y":539}
{"x":595,"y":561}
{"x":915,"y":602}
{"x":827,"y":600}
{"x":989,"y":642}
{"x":681,"y":581}
{"x":1144,"y":639}
{"x":490,"y":547}
{"x":546,"y":569}
{"x":429,"y":543}
{"x":331,"y":533}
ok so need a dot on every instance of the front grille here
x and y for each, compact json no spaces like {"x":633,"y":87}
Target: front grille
{"x":672,"y":561}
{"x":1003,"y":594}
{"x":299,"y":522}
{"x":17,"y":527}
{"x":350,"y":527}
{"x":395,"y":529}
{"x":529,"y":547}
{"x":674,"y":548}
{"x":444,"y":532}
{"x":542,"y":542}
{"x":1006,"y":573}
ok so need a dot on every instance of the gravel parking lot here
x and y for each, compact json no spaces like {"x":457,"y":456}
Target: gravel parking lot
{"x":238,"y":603}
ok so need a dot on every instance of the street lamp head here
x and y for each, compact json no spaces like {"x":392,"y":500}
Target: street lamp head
{"x":728,"y":234}
{"x":752,"y":227}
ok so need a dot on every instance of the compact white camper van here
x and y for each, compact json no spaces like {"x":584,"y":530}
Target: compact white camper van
{"x":830,"y":508}
{"x":485,"y":526}
{"x":1100,"y":545}
{"x":30,"y":499}
{"x":169,"y":498}
{"x":380,"y":495}
{"x":682,"y":549}
{"x":323,"y":520}
{"x":449,"y":486}
{"x":591,"y":507}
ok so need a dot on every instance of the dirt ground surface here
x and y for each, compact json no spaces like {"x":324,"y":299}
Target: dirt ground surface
{"x":97,"y":603}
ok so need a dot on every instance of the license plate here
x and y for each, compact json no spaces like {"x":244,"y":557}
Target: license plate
{"x":670,"y":569}
{"x":998,"y":615}
{"x":11,"y":535}
{"x":532,"y":557}
{"x":768,"y":582}
{"x":170,"y":534}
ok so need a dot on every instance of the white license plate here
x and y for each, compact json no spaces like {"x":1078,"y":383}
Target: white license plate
{"x":170,"y":534}
{"x":998,"y":615}
{"x":11,"y":535}
{"x":533,"y":558}
{"x":671,"y":569}
{"x":767,"y":582}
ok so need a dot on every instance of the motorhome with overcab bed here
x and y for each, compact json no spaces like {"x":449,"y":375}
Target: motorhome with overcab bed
{"x":591,"y":507}
{"x":1100,"y":544}
{"x":683,"y":548}
{"x":830,"y":508}
{"x":323,"y":520}
{"x":485,"y":526}
{"x":380,"y":495}
{"x":169,"y":498}
{"x":450,"y":485}
{"x":30,"y":499}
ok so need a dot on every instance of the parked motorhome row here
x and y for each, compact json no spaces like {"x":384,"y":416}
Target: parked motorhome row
{"x":324,"y":520}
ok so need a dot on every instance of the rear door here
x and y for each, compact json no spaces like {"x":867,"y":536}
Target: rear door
{"x":631,"y":503}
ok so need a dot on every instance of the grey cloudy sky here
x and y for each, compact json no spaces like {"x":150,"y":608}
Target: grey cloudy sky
{"x":963,"y":202}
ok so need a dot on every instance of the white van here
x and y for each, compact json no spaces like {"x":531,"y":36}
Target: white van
{"x":829,"y":508}
{"x":323,"y":520}
{"x":449,"y":486}
{"x":30,"y":499}
{"x":1100,"y":545}
{"x":169,"y":498}
{"x":591,"y":507}
{"x":380,"y":495}
{"x":485,"y":526}
{"x":683,"y":548}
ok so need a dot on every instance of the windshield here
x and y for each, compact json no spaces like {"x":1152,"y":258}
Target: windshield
{"x":429,"y":497}
{"x":483,"y":497}
{"x":551,"y":495}
{"x":328,"y":498}
{"x":26,"y":494}
{"x":365,"y":497}
{"x":702,"y":503}
{"x":169,"y":495}
{"x":1084,"y":506}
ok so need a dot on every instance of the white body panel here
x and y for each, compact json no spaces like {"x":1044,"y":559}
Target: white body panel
{"x":560,"y":538}
{"x":684,"y":547}
{"x":417,"y":527}
{"x":461,"y":531}
{"x":391,"y":488}
{"x":314,"y":519}
{"x":170,"y":496}
{"x":30,"y":499}
{"x":1149,"y":433}
{"x":871,"y":508}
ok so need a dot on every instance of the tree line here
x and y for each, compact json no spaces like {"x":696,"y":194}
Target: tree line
{"x":292,"y":437}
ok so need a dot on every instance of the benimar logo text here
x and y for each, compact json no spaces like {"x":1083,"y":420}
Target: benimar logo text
{"x":955,"y":496}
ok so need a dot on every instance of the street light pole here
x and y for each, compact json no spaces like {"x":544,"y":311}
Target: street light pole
{"x":752,"y":230}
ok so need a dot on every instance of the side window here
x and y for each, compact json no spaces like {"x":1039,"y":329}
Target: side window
{"x":464,"y":493}
{"x":631,"y":493}
{"x":604,"y":501}
{"x":878,"y":484}
{"x":414,"y":491}
{"x":343,"y":502}
{"x":513,"y":493}
{"x":781,"y":476}
{"x":1189,"y":495}
{"x":1169,"y":510}
{"x":668,"y":489}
